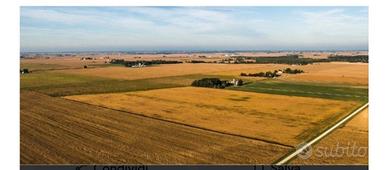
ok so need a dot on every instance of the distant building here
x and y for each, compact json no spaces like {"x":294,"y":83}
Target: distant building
{"x":279,"y":73}
{"x":139,"y":65}
{"x":236,"y":82}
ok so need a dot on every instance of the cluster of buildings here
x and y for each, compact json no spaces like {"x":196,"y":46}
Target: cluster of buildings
{"x":236,"y":82}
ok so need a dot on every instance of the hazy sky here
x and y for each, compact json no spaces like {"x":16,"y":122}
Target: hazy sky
{"x":193,"y":28}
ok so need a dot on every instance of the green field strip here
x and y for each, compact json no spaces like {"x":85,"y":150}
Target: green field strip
{"x":306,"y":90}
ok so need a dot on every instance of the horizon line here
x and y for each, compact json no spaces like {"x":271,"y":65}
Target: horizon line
{"x":191,"y":51}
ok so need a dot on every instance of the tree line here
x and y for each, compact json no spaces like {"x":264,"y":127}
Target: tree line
{"x":292,"y":71}
{"x":214,"y":83}
{"x":358,"y":58}
{"x":24,"y":71}
{"x":297,"y":60}
{"x":272,"y":74}
{"x":288,"y":59}
{"x":137,"y":62}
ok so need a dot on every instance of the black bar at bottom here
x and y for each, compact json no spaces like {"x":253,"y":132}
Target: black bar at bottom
{"x":192,"y":167}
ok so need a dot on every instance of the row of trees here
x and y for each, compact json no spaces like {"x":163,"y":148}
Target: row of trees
{"x":358,"y":58}
{"x":210,"y":82}
{"x":267,"y":74}
{"x":216,"y":83}
{"x":291,"y":71}
{"x":132,"y":63}
{"x":288,"y":59}
{"x":24,"y":71}
{"x":297,"y":60}
{"x":275,"y":73}
{"x":197,"y":61}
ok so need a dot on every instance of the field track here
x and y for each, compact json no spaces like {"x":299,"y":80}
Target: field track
{"x":319,"y":137}
{"x":353,"y":133}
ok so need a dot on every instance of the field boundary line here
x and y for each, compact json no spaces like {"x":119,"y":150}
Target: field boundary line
{"x":187,"y":125}
{"x":291,"y":155}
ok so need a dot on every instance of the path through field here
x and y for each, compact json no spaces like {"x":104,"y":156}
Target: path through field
{"x":303,"y":148}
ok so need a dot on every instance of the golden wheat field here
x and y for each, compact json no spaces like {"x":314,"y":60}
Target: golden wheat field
{"x":58,"y":131}
{"x":346,"y":145}
{"x":276,"y":118}
{"x":333,"y":73}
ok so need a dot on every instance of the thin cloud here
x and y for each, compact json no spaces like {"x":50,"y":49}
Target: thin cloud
{"x":192,"y":27}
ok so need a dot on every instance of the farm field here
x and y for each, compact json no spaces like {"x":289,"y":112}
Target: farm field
{"x":42,"y":66}
{"x":334,"y":73}
{"x":60,"y":84}
{"x":165,"y":70}
{"x":274,"y":118}
{"x":58,"y":63}
{"x":353,"y":135}
{"x":103,"y":109}
{"x":355,"y":74}
{"x":59,"y":131}
{"x":306,"y":89}
{"x":246,"y":86}
{"x":107,"y":79}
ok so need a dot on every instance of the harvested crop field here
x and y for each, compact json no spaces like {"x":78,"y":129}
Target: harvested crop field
{"x":60,"y":84}
{"x":346,"y":145}
{"x":60,"y":131}
{"x":334,"y":73}
{"x":275,"y":118}
{"x":164,"y":70}
{"x":60,"y":62}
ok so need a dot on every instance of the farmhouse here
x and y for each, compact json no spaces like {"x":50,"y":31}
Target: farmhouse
{"x":236,"y":82}
{"x":278,"y":73}
{"x":139,"y":65}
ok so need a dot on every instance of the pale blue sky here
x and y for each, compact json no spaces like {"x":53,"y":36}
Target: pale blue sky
{"x":193,"y":28}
